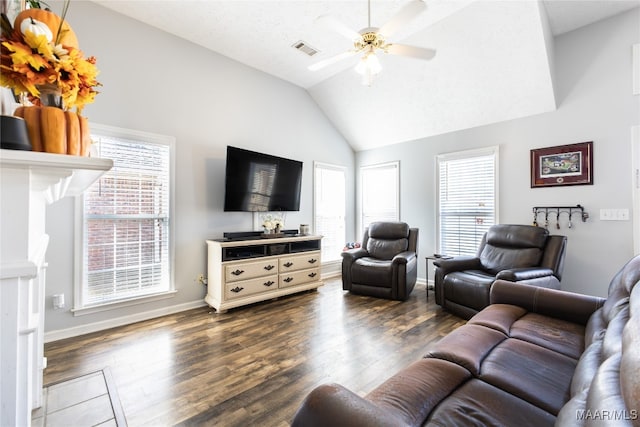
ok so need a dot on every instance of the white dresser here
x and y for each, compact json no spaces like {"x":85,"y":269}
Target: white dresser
{"x":242,"y":272}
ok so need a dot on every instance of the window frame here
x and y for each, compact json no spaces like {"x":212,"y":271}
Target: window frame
{"x":79,"y":286}
{"x":466,"y":154}
{"x":338,"y":168}
{"x":393,"y":164}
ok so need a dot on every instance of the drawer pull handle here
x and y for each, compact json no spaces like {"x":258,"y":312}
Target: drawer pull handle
{"x":236,"y":289}
{"x":312,"y":274}
{"x":237,"y":272}
{"x":269,"y":283}
{"x":288,"y":264}
{"x":313,"y":261}
{"x":288,"y":279}
{"x":269,"y":267}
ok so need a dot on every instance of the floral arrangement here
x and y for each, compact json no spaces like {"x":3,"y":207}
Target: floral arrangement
{"x":33,"y":59}
{"x":272,"y":222}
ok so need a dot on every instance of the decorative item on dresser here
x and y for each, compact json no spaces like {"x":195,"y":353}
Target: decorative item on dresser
{"x":250,"y":269}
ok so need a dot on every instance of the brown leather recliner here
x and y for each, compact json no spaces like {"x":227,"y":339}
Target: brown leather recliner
{"x":516,"y":253}
{"x":386,"y":265}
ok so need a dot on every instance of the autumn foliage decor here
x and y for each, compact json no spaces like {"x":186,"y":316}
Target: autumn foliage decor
{"x":41,"y":61}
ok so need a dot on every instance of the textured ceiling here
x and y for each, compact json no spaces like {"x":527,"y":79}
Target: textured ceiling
{"x":491,"y":64}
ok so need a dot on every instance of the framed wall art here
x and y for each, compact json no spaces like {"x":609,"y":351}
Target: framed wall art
{"x":562,"y":165}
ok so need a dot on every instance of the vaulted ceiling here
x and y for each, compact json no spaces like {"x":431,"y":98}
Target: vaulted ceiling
{"x":493,"y":61}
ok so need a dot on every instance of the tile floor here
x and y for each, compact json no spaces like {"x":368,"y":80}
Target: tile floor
{"x":83,"y":401}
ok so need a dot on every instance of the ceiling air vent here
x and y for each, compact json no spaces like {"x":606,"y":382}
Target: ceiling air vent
{"x":305,"y":48}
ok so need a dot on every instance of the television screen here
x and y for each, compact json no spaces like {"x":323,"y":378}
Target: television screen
{"x":256,"y":182}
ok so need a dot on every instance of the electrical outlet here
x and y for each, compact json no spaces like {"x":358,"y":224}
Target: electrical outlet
{"x":201,"y":279}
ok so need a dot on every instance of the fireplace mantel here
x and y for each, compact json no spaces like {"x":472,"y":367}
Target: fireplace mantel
{"x":29,"y":181}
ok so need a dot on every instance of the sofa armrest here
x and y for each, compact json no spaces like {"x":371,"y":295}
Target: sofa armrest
{"x":446,"y":266}
{"x":404,"y":257}
{"x":334,"y":405}
{"x":569,"y":306}
{"x":518,"y":274}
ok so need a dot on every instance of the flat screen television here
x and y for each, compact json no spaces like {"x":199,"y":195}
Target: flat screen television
{"x":257,"y":182}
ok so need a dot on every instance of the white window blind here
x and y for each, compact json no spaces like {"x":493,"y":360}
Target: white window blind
{"x":330,"y":209}
{"x":126,"y":223}
{"x":380,"y":193}
{"x":467,"y":189}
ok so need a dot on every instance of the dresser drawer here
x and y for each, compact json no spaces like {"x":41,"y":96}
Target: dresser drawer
{"x":249,"y":270}
{"x":299,"y":277}
{"x":299,"y":262}
{"x":249,"y":287}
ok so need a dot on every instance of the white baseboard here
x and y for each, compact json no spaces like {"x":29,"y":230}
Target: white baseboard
{"x":120,"y":321}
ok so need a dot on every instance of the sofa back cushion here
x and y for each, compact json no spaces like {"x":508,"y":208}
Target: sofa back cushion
{"x":605,"y":380}
{"x":387,"y":239}
{"x":509,"y":246}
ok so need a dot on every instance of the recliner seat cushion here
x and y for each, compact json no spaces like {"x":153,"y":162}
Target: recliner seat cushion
{"x":372,"y":271}
{"x":555,"y":334}
{"x":540,"y":376}
{"x":477,"y":403}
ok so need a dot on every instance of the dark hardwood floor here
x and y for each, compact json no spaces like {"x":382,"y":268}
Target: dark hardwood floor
{"x":253,"y":365}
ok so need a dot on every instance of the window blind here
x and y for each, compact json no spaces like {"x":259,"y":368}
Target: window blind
{"x":330,"y":209}
{"x":466,"y":200}
{"x":380,"y":193}
{"x":126,"y":223}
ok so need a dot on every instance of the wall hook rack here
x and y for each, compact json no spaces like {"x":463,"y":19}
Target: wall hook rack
{"x":557,"y":211}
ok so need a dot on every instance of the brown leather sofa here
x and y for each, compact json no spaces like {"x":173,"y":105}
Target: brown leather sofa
{"x":386,"y":265}
{"x":513,"y":252}
{"x":534,"y":357}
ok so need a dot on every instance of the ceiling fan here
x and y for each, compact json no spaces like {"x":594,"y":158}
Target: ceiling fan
{"x":369,"y":40}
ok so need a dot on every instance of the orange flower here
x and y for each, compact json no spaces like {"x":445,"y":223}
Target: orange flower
{"x":28,"y":61}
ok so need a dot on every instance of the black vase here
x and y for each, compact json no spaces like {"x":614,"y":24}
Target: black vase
{"x":13,"y":134}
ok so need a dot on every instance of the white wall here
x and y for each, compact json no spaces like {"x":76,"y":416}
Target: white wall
{"x":158,"y":83}
{"x":595,"y":103}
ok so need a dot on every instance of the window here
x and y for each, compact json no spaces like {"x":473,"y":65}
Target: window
{"x":330,"y":209}
{"x":467,"y":199}
{"x":126,"y":232}
{"x":380,"y":193}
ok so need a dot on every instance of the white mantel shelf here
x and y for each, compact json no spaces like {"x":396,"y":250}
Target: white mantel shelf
{"x":76,"y":173}
{"x":29,"y":181}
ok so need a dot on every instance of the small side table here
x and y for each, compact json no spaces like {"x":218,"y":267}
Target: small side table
{"x":433,"y":258}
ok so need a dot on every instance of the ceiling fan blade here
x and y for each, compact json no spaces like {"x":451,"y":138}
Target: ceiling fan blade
{"x":331,"y":60}
{"x":332,"y":23}
{"x":402,"y":17}
{"x":411,"y":51}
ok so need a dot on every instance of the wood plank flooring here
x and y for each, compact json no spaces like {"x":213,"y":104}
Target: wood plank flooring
{"x":253,"y":365}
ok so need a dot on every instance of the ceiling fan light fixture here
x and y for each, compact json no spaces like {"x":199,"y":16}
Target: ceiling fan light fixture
{"x":368,"y":67}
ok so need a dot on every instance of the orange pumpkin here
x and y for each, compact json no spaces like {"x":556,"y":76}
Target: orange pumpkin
{"x":53,"y":130}
{"x":67,"y":36}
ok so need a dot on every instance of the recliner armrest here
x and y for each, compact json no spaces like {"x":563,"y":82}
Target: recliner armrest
{"x":353,"y":254}
{"x":518,"y":274}
{"x":457,"y":264}
{"x":554,"y":303}
{"x":334,"y":405}
{"x":404,"y":257}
